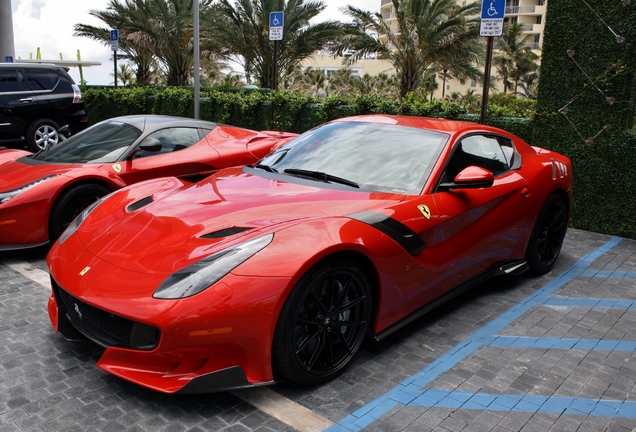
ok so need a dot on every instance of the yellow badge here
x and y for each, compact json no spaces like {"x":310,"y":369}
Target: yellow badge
{"x":117,"y":168}
{"x":85,"y":270}
{"x":425,"y":210}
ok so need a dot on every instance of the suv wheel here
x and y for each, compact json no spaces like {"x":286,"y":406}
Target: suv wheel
{"x":42,"y":134}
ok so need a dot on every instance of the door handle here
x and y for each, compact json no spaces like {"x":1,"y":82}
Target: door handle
{"x":26,"y":100}
{"x":525,"y":192}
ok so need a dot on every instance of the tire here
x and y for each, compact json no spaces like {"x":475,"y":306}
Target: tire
{"x":41,"y":134}
{"x":322,"y":324}
{"x":70,"y":204}
{"x":547,"y":235}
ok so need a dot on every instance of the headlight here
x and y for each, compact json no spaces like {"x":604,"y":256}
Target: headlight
{"x":6,"y":196}
{"x":202,"y":274}
{"x":73,"y":226}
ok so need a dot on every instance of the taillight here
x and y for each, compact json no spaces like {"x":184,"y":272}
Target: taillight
{"x":77,"y":94}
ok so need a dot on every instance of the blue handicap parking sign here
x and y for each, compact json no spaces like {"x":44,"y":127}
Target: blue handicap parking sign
{"x":276,"y":19}
{"x":493,"y":9}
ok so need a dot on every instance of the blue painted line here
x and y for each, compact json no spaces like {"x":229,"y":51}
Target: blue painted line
{"x":606,"y":274}
{"x":526,"y":403}
{"x":589,"y":302}
{"x":409,"y":390}
{"x":557,"y":343}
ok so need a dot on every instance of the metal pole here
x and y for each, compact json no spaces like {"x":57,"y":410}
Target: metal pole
{"x":275,"y":65}
{"x":7,"y":46}
{"x":197,"y":94}
{"x":484,"y":95}
{"x":115,"y":63}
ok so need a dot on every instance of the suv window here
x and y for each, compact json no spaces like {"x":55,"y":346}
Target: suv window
{"x":11,"y":81}
{"x":42,"y":79}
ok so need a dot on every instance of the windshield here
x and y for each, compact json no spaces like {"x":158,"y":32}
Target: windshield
{"x":103,"y":143}
{"x":378,"y":157}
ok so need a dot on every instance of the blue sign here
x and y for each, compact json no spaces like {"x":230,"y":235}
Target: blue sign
{"x":8,"y":59}
{"x":114,"y":35}
{"x":276,"y":19}
{"x":493,"y":9}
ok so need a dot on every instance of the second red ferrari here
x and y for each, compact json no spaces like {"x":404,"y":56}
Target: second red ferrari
{"x":41,"y":193}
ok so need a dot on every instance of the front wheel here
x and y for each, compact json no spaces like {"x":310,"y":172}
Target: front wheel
{"x":322,"y":324}
{"x":547,"y":236}
{"x":70,"y":204}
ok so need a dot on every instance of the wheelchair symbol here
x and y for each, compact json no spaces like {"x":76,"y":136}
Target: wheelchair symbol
{"x":491,"y":10}
{"x":275,"y":21}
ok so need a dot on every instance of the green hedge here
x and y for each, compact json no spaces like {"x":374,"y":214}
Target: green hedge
{"x":585,"y":109}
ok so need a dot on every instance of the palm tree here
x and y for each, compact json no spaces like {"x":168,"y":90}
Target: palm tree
{"x":135,"y":47}
{"x":241,"y":30}
{"x":125,"y":74}
{"x":515,"y":58}
{"x":429,"y":33}
{"x":149,"y":29}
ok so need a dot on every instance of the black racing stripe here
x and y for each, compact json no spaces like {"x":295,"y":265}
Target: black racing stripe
{"x":403,"y":235}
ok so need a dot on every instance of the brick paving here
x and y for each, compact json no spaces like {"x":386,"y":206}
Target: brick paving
{"x":550,"y":353}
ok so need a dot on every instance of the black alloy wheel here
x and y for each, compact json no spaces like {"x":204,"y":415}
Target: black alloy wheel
{"x":322,"y":324}
{"x":547,"y":236}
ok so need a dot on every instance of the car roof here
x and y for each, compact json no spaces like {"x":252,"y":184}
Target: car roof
{"x":153,"y":121}
{"x":29,"y":65}
{"x":435,"y":124}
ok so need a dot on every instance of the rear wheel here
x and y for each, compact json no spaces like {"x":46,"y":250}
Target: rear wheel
{"x":322,"y":324}
{"x":70,"y":204}
{"x":41,"y":134}
{"x":547,"y":236}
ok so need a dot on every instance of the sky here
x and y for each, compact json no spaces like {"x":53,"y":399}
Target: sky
{"x":48,"y":24}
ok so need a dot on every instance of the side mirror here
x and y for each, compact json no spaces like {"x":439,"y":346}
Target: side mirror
{"x":472,"y":177}
{"x":150,"y":145}
{"x":63,"y":133}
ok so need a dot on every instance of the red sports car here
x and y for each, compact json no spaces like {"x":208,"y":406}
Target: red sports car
{"x":278,"y":271}
{"x":41,"y":193}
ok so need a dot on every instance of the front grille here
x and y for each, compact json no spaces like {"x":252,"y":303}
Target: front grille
{"x":102,"y":327}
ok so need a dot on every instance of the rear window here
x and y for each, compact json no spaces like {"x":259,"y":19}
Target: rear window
{"x":42,"y":79}
{"x":11,"y":81}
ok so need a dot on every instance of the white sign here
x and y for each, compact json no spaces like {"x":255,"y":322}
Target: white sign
{"x":491,"y":27}
{"x":276,"y":21}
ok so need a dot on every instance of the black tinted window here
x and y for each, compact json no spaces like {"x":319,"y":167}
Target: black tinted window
{"x":42,"y":79}
{"x":489,"y":152}
{"x":10,"y":81}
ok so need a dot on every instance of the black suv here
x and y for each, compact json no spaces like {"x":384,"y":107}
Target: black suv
{"x":35,"y":101}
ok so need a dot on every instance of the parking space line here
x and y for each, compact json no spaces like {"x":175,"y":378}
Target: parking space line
{"x":291,"y":413}
{"x":409,"y":392}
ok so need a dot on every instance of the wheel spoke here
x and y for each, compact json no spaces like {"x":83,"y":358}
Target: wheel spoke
{"x":350,"y":304}
{"x":306,"y":341}
{"x":314,"y":355}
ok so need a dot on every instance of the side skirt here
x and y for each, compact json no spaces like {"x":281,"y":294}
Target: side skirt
{"x":511,"y":268}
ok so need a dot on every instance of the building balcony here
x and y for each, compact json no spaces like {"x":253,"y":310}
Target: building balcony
{"x":516,"y":10}
{"x":385,"y":2}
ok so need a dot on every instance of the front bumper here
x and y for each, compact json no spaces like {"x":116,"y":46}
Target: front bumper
{"x":217,"y":340}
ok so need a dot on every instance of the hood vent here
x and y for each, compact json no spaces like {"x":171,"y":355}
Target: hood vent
{"x":225,"y":232}
{"x":139,"y":204}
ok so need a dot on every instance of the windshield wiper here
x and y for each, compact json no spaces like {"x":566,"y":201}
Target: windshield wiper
{"x":322,"y":176}
{"x":265,"y":167}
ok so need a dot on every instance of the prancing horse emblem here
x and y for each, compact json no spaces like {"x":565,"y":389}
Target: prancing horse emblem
{"x":117,"y":168}
{"x":425,"y":210}
{"x":77,"y":309}
{"x":85,"y":270}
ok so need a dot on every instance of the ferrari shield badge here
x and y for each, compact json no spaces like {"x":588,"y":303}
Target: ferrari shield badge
{"x":84,"y":270}
{"x":117,"y":168}
{"x":425,"y":210}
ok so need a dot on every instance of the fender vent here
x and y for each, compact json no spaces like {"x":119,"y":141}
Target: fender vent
{"x":225,"y":232}
{"x":139,"y":204}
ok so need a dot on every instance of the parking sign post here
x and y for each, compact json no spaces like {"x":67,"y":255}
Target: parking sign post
{"x":492,"y":20}
{"x":114,"y":45}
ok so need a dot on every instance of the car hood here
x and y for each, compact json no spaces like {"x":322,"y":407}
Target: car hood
{"x":228,"y":208}
{"x":14,"y":173}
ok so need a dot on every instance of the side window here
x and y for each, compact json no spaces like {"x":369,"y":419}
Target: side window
{"x":172,"y":140}
{"x":490,"y":152}
{"x":42,"y":79}
{"x":11,"y":81}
